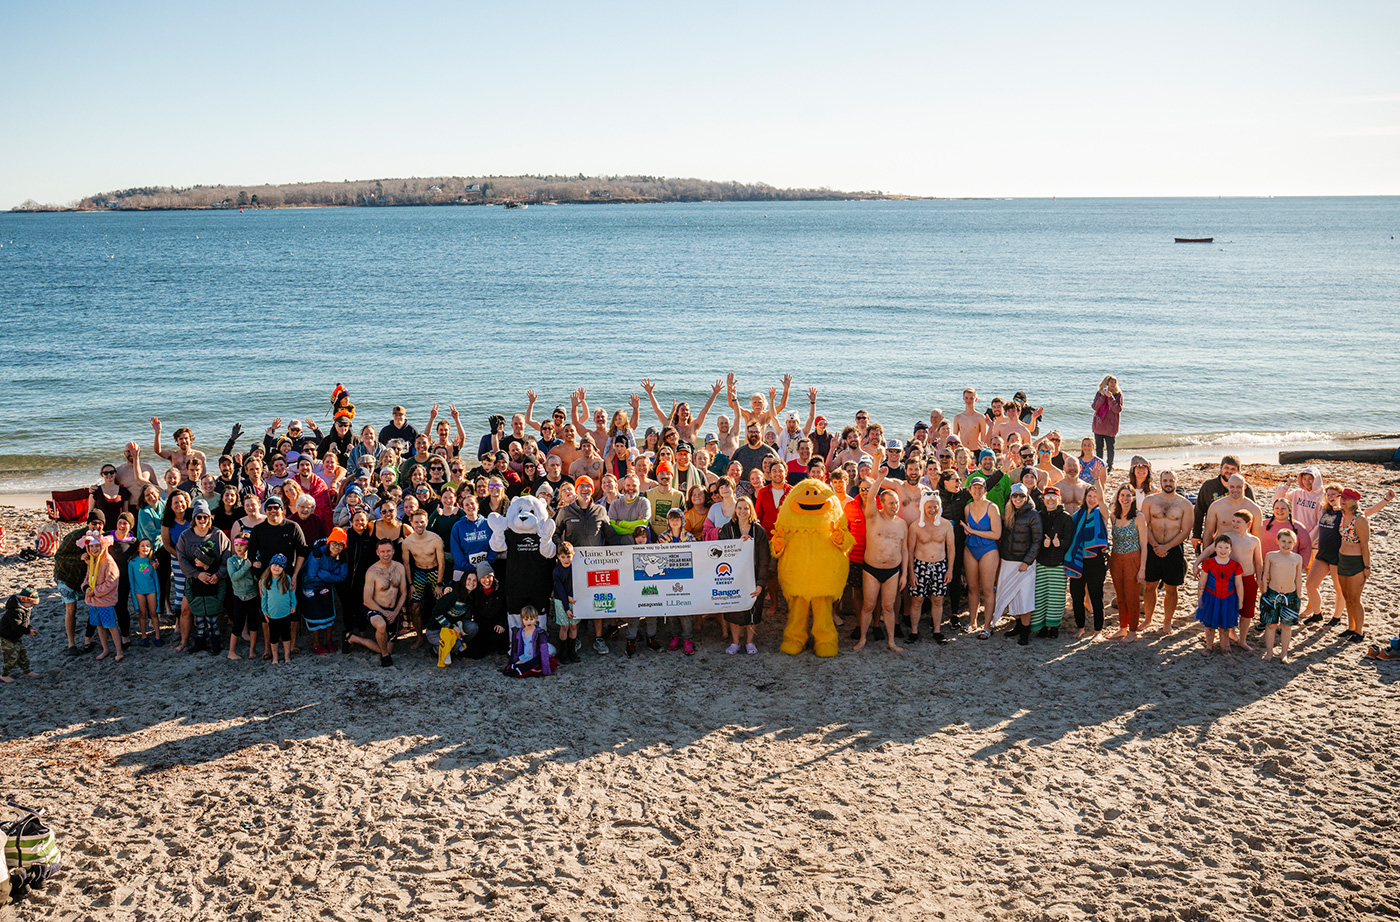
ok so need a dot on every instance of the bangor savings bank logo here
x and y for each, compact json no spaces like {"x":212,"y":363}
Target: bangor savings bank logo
{"x":604,"y":601}
{"x":650,"y":590}
{"x":724,"y":575}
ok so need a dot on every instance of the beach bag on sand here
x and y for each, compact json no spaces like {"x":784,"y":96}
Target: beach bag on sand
{"x":30,"y":847}
{"x":47,"y":539}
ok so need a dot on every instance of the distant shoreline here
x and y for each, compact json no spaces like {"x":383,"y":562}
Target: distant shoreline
{"x":510,"y":191}
{"x":613,"y":201}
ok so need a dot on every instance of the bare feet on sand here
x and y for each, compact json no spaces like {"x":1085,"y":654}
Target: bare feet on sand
{"x":100,"y":656}
{"x":232,"y":655}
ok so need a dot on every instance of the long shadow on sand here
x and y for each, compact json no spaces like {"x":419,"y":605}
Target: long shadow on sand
{"x":197,"y":708}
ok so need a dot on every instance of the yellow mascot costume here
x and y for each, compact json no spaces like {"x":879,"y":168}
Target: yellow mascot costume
{"x":811,"y":541}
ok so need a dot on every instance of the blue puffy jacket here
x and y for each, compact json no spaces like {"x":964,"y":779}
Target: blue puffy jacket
{"x":323,"y":570}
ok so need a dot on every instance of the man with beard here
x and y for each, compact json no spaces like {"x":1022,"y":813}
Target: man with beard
{"x":1168,"y":516}
{"x":753,"y":452}
{"x":1212,"y":490}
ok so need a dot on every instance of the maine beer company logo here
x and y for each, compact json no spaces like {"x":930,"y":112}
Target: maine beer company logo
{"x":602,"y":578}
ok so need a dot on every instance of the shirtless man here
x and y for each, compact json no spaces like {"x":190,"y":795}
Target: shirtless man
{"x":1168,"y":516}
{"x":180,"y":455}
{"x":590,"y":464}
{"x":970,"y":426}
{"x":680,"y":417}
{"x":761,"y":412}
{"x":427,"y":562}
{"x":1071,"y":487}
{"x":386,"y":591}
{"x":134,"y":475}
{"x":886,"y":557}
{"x":927,"y":572}
{"x":568,"y":450}
{"x":911,"y":495}
{"x":1218,"y":515}
{"x":848,"y":449}
{"x":727,"y":438}
{"x":1005,"y":426}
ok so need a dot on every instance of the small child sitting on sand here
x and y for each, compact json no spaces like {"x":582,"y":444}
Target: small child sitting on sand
{"x":1283,"y":576}
{"x":1221,"y":595}
{"x":530,"y":651}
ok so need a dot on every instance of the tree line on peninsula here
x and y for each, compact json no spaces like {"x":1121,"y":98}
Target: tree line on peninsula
{"x":447,"y":190}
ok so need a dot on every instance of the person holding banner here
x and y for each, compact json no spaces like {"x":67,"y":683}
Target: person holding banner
{"x":745,"y":527}
{"x":584,"y":523}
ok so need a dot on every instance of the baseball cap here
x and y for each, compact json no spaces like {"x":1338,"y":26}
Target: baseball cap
{"x":711,"y":437}
{"x":686,"y":447}
{"x":894,"y":445}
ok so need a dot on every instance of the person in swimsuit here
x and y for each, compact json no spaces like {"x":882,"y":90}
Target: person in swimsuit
{"x":386,"y":592}
{"x":1354,"y":561}
{"x":928,"y":563}
{"x":885,"y":561}
{"x":982,"y":525}
{"x":423,"y":552}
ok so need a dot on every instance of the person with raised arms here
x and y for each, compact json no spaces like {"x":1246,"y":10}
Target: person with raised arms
{"x":687,"y":426}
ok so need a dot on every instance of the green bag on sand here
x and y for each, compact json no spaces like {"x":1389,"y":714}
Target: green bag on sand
{"x":30,"y":845}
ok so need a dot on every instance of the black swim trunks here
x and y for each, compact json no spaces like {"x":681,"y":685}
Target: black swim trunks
{"x":882,"y":574}
{"x":1170,"y":569}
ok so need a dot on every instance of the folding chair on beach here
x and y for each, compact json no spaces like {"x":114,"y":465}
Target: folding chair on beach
{"x":69,"y":506}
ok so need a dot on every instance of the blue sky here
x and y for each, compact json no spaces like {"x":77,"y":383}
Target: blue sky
{"x":1011,"y":99}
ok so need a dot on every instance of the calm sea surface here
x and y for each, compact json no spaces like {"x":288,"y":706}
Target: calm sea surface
{"x":1284,"y":329}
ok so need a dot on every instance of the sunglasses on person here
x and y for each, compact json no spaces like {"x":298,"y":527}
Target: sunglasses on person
{"x":109,"y":473}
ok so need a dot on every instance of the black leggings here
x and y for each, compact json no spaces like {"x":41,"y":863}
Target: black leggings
{"x":1091,"y":579}
{"x":1103,"y":447}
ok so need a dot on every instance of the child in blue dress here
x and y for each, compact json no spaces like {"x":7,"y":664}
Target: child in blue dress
{"x":1221,"y":595}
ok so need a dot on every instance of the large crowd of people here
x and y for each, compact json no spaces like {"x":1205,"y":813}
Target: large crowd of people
{"x":378,"y":534}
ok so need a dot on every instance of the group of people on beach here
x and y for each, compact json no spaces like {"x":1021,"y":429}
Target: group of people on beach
{"x":383,"y":531}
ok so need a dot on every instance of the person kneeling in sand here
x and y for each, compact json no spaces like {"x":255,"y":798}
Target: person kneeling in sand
{"x":1283,"y":577}
{"x":386,"y":591}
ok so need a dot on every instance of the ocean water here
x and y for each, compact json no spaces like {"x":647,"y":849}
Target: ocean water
{"x":1283,"y":330}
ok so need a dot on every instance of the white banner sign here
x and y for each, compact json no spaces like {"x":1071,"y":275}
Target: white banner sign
{"x":656,"y":580}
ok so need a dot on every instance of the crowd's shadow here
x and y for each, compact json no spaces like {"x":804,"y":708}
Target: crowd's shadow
{"x":195,"y":709}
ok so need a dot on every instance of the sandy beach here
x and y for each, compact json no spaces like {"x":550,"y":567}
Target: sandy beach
{"x":982,"y":780}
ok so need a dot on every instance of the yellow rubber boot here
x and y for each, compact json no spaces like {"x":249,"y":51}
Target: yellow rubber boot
{"x":447,"y":639}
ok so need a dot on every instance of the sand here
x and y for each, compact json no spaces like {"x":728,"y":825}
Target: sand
{"x":982,"y":780}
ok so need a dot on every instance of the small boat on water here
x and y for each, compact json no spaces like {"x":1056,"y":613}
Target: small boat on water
{"x":516,"y":205}
{"x":1195,"y":239}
